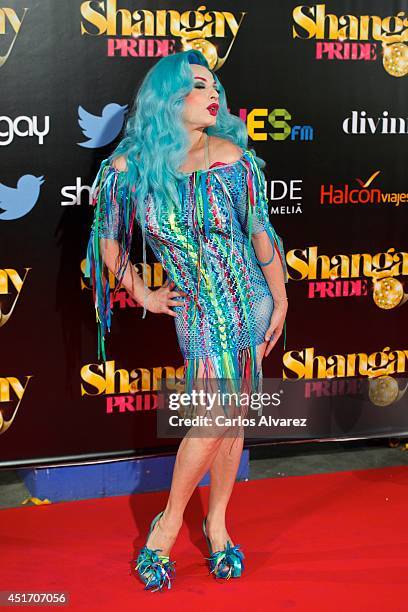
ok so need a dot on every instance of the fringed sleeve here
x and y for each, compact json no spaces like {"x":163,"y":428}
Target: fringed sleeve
{"x":114,"y":216}
{"x":256,"y":218}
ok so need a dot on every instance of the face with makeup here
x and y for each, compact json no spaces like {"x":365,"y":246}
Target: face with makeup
{"x":201,"y":104}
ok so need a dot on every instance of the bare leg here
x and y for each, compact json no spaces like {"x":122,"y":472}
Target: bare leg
{"x":223,"y":474}
{"x":194,"y":458}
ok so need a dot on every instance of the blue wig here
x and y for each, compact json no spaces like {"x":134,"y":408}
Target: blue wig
{"x":155,"y":144}
{"x":155,"y":141}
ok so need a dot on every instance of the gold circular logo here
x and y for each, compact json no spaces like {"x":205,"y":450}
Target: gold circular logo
{"x":395,"y":59}
{"x":206,"y":47}
{"x":383,"y":390}
{"x":388,"y":292}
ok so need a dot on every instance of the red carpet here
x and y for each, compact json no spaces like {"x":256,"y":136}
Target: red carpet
{"x":321,"y":542}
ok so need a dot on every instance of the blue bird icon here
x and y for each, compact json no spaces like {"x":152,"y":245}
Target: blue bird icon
{"x":17,"y":202}
{"x":101,"y":129}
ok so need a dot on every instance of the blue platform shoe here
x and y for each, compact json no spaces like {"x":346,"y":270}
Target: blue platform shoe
{"x":156,"y":571}
{"x":227,"y":563}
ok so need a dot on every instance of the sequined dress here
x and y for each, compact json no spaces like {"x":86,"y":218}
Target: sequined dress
{"x":205,"y":247}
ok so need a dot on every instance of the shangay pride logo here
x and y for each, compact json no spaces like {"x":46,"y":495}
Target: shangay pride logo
{"x":149,"y":33}
{"x":349,"y":37}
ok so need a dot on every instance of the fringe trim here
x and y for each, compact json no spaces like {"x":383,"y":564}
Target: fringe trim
{"x":258,"y":204}
{"x":235,"y":371}
{"x":113,"y":202}
{"x":232,"y":372}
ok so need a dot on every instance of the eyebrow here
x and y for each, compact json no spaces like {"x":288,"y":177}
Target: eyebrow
{"x":204,"y":79}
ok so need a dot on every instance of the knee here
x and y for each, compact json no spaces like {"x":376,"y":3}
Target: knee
{"x":209,"y":443}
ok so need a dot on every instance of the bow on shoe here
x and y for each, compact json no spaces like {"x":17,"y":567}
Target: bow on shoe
{"x":227,"y":563}
{"x":155,"y":570}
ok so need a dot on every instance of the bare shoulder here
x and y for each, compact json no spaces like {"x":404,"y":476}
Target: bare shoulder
{"x":223,"y":150}
{"x":120,"y":163}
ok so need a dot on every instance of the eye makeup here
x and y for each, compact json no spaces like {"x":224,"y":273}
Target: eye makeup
{"x":203,"y":79}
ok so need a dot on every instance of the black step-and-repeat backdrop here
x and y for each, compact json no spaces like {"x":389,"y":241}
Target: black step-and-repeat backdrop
{"x":322,"y":89}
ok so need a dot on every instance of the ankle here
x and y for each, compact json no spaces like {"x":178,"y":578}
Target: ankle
{"x":170,"y":517}
{"x":216,"y":514}
{"x":215,"y":520}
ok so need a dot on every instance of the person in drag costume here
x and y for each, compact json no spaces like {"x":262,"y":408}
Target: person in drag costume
{"x":183,"y":174}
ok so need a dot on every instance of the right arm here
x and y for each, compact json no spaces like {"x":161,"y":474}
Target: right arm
{"x":158,"y":301}
{"x":109,"y":247}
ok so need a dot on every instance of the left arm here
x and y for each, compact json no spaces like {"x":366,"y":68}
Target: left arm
{"x":274,"y":276}
{"x":253,"y":213}
{"x":273,"y":272}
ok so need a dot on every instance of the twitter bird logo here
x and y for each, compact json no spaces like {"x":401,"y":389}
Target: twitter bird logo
{"x":101,"y":130}
{"x":17,"y":202}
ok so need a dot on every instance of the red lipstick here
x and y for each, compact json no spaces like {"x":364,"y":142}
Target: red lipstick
{"x":213,"y":108}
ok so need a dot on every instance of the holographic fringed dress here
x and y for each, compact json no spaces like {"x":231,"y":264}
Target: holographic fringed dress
{"x":205,"y":248}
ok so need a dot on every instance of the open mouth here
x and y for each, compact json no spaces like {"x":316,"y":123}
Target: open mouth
{"x":213,"y":109}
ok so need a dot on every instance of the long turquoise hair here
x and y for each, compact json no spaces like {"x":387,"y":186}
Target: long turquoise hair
{"x":155,"y":141}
